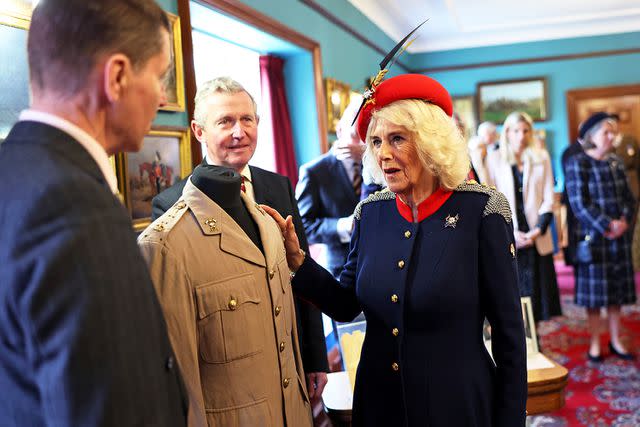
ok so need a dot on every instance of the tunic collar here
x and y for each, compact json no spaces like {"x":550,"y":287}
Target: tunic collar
{"x":426,"y":208}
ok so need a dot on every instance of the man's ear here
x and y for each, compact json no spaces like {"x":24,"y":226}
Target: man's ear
{"x":198,"y":131}
{"x":117,"y":69}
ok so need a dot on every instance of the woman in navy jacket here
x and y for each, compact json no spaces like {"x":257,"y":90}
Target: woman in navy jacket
{"x":430,"y":258}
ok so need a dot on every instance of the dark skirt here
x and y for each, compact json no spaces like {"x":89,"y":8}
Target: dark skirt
{"x":537,"y":279}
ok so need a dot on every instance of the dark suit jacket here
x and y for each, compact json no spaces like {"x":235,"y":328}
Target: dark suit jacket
{"x":325,"y":194}
{"x":82,"y":338}
{"x":435,"y":284}
{"x":274,"y":190}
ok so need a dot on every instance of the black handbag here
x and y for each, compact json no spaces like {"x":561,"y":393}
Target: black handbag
{"x":583,"y":250}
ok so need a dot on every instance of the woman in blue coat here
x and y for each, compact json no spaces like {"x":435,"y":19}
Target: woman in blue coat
{"x":430,"y":258}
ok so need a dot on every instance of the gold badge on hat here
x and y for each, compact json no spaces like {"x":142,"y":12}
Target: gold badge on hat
{"x":451,"y":221}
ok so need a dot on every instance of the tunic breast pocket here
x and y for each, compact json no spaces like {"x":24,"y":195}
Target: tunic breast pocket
{"x":230,"y":324}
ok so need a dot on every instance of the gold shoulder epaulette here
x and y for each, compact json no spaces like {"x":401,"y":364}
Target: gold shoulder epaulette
{"x":497,"y":203}
{"x":384,"y":194}
{"x":161,"y":226}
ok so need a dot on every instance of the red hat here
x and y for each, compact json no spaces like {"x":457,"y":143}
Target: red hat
{"x":404,"y":86}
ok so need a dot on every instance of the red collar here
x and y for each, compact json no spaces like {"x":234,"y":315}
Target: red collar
{"x":427,"y":207}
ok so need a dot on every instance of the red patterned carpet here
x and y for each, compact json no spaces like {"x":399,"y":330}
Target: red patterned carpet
{"x":598,"y":395}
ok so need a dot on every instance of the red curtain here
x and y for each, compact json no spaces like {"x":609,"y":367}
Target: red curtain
{"x":274,"y":98}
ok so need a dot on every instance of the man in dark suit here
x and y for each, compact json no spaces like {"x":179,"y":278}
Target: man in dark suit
{"x":82,"y":337}
{"x":226,"y":121}
{"x":329,"y":189}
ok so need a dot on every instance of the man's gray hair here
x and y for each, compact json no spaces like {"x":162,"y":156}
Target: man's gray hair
{"x":217,"y":85}
{"x":486,"y":127}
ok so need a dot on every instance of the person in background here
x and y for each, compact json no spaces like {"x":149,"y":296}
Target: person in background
{"x":430,"y":258}
{"x":522,"y":172}
{"x":226,"y":121}
{"x":329,"y":189}
{"x":83,"y":341}
{"x":604,"y":206}
{"x":478,"y":155}
{"x":488,"y":134}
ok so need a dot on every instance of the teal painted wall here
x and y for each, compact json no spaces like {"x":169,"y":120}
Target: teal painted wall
{"x":561,"y":75}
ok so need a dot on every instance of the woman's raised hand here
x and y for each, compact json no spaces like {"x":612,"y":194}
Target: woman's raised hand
{"x":295,"y":255}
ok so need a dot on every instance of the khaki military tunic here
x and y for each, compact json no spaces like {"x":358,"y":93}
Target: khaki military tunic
{"x":230,"y":314}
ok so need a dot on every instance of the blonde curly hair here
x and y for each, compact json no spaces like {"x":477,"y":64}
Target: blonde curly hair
{"x":440,"y":146}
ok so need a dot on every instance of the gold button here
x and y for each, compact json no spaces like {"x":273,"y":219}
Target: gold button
{"x":181,"y":205}
{"x":281,"y":346}
{"x":395,"y":366}
{"x":407,"y":234}
{"x":285,"y":382}
{"x":278,"y":310}
{"x":395,"y":332}
{"x":233,"y":304}
{"x":394,"y":298}
{"x":401,"y":264}
{"x":271,"y":274}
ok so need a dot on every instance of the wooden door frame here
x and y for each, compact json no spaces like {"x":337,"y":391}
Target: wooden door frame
{"x":575,"y":95}
{"x":269,"y":25}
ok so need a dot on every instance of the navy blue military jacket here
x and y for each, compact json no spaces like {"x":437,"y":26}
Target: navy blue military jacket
{"x":425,"y":288}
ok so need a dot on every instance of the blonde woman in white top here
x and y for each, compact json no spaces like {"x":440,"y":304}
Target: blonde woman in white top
{"x":522,"y":171}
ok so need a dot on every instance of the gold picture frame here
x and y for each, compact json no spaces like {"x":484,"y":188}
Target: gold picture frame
{"x":16,"y":13}
{"x":164,"y":159}
{"x":496,"y":100}
{"x":175,"y":79}
{"x":338,"y":95}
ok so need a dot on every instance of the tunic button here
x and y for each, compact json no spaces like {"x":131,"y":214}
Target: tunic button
{"x":233,"y":304}
{"x":395,"y":332}
{"x":277,"y":310}
{"x":170,"y":363}
{"x":394,"y":298}
{"x":407,"y":234}
{"x":395,"y":366}
{"x":285,"y":382}
{"x":281,"y":346}
{"x":271,"y":274}
{"x":401,"y":264}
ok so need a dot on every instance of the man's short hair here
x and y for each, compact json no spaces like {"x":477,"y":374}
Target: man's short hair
{"x":217,"y":85}
{"x":486,"y":128}
{"x":68,"y":37}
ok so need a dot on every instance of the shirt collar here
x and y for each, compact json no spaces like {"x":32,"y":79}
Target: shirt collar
{"x":426,"y":208}
{"x":95,"y":150}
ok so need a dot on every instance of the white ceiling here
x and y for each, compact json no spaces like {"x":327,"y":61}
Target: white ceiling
{"x":456,"y":24}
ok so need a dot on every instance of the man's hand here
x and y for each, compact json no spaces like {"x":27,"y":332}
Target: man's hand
{"x":349,"y":150}
{"x":315,"y":384}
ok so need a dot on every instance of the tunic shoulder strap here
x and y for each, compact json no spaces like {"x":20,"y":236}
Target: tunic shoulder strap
{"x":384,"y":194}
{"x":496,"y":203}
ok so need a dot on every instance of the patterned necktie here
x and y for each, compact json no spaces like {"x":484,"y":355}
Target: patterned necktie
{"x":357,"y":179}
{"x":242,"y":186}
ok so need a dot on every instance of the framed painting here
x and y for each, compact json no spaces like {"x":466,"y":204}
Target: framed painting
{"x":496,"y":100}
{"x":338,"y":95}
{"x":622,"y":100}
{"x":465,"y":108}
{"x":164,"y":159}
{"x":16,"y":13}
{"x":175,"y":78}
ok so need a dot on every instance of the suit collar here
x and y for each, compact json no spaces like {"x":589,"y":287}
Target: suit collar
{"x":54,"y":139}
{"x":337,"y":169}
{"x":261,"y":191}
